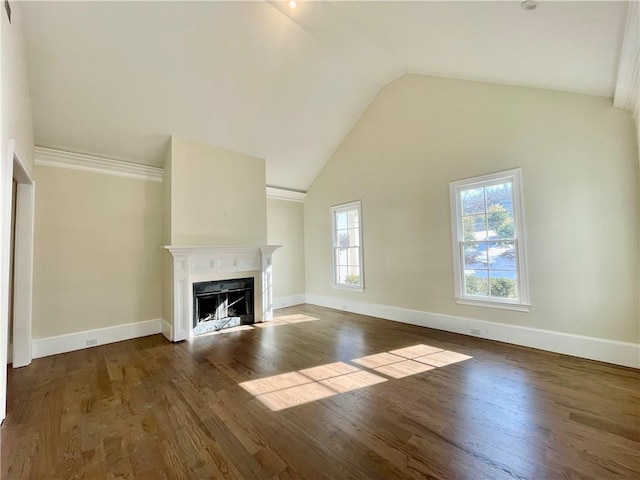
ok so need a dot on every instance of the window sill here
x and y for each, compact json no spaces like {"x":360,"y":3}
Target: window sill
{"x":518,"y":307}
{"x":353,"y":288}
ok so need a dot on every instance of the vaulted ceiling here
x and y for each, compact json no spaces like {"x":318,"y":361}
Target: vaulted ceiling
{"x":115,"y":79}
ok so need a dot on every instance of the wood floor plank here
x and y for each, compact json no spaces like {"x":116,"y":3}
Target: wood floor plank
{"x":320,"y":394}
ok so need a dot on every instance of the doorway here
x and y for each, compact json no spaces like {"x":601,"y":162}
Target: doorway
{"x":17,"y":263}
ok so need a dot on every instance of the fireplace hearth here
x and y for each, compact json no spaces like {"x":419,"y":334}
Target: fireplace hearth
{"x":222,"y":304}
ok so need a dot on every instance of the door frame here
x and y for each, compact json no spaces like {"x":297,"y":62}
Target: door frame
{"x":23,"y":260}
{"x":14,"y":166}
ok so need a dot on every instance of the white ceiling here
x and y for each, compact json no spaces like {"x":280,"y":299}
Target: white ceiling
{"x":115,"y":79}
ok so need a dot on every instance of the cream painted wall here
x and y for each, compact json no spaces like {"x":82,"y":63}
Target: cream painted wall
{"x":16,"y":102}
{"x":285,"y":226}
{"x":218,"y":197}
{"x":580,"y":171}
{"x":97,"y":251}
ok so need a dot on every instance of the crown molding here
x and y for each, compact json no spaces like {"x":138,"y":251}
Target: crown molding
{"x":627,"y":85}
{"x":284,"y":194}
{"x":89,"y":163}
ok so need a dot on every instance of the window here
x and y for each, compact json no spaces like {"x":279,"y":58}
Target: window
{"x":346,"y":231}
{"x":490,"y":266}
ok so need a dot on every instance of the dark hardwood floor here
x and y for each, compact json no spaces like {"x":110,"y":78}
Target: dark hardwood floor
{"x":295,"y":399}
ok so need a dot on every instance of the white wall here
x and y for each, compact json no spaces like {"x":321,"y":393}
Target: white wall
{"x":580,"y":170}
{"x":16,"y":102}
{"x":97,"y":260}
{"x":285,"y":226}
{"x":17,"y":125}
{"x":218,"y":197}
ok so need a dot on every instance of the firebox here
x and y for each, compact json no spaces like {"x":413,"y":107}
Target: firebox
{"x":222,"y":304}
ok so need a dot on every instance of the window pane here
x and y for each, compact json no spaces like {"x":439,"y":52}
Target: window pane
{"x":341,"y":274}
{"x":502,"y":255}
{"x":500,"y":222}
{"x":474,"y":227}
{"x":472,"y":201}
{"x":353,"y":219}
{"x":504,"y":284}
{"x":342,"y":238}
{"x":341,"y":256}
{"x":476,"y":282}
{"x":475,"y":255}
{"x":341,"y":220}
{"x":348,"y":256}
{"x":353,"y":276}
{"x":354,"y":237}
{"x":500,"y":195}
{"x":353,"y":256}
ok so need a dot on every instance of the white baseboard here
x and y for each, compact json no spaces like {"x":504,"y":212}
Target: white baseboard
{"x":166,"y":330}
{"x":281,"y":302}
{"x":610,"y":351}
{"x":43,"y":347}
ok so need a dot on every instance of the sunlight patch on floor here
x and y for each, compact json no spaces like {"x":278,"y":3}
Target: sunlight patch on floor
{"x":286,"y":320}
{"x":441,"y":359}
{"x":286,"y":390}
{"x":403,"y":369}
{"x":295,"y":388}
{"x":410,"y":360}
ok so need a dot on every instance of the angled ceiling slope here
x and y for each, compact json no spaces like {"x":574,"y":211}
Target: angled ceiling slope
{"x":115,"y":79}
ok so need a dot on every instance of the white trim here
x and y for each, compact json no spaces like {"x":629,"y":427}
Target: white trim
{"x":457,"y":235}
{"x":281,"y":302}
{"x":610,"y":351}
{"x":26,"y":174}
{"x":166,"y":330}
{"x":626,"y":94}
{"x":89,"y":163}
{"x":276,"y":193}
{"x":518,"y":307}
{"x":43,"y":347}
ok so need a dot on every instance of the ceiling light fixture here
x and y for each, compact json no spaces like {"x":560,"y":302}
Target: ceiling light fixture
{"x":526,"y":5}
{"x":292,"y":4}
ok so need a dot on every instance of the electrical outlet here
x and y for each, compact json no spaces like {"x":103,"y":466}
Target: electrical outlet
{"x":92,"y":341}
{"x":476,"y":331}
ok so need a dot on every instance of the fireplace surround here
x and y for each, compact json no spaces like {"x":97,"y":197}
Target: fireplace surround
{"x":196,"y":264}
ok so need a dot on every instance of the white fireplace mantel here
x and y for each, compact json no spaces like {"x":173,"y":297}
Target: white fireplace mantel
{"x":203,"y":263}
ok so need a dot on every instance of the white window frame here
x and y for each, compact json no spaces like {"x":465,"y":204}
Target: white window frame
{"x":344,"y":207}
{"x":514,"y":176}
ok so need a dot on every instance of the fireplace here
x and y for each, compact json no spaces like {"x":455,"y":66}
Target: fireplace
{"x":222,"y":304}
{"x":191,"y":265}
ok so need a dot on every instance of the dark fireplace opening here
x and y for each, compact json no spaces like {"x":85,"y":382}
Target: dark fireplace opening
{"x":222,"y":304}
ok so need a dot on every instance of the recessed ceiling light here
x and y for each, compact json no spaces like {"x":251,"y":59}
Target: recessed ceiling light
{"x":292,"y":4}
{"x":526,"y":5}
